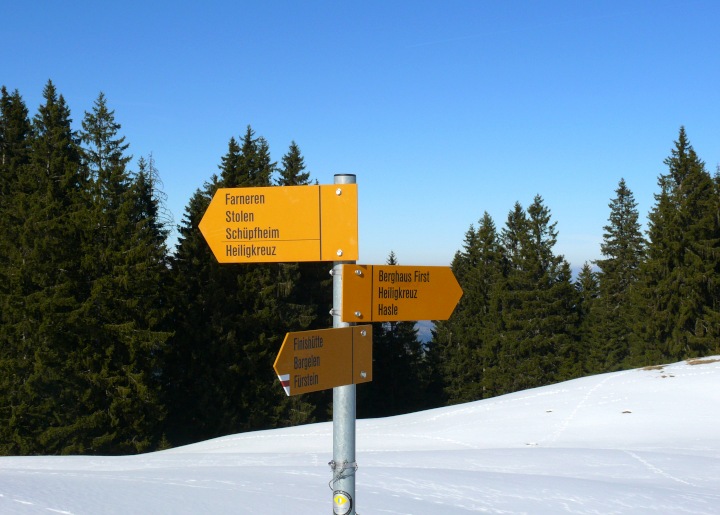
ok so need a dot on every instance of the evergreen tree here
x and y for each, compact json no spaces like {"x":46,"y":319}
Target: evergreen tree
{"x":15,"y":132}
{"x":230,"y":167}
{"x":468,"y":339}
{"x":537,"y":344}
{"x":678,"y":295}
{"x":623,"y":249}
{"x":205,"y":371}
{"x":449,"y":350}
{"x":254,"y":166}
{"x":123,"y":308}
{"x":588,"y":290}
{"x":14,"y":141}
{"x":191,"y":393}
{"x":14,"y":158}
{"x":151,"y":207}
{"x":260,"y":299}
{"x":40,"y":306}
{"x":236,"y":319}
{"x":293,"y":171}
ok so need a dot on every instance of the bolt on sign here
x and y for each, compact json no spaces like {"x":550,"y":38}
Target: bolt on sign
{"x":311,"y":361}
{"x":390,"y":293}
{"x":283,"y":224}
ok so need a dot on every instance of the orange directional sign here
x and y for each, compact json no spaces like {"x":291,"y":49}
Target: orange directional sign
{"x":282,"y":224}
{"x":387,"y":293}
{"x":310,"y":361}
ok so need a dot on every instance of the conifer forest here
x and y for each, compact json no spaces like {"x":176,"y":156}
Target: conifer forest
{"x":112,"y":343}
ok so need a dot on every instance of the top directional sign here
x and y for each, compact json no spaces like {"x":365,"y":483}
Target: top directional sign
{"x":283,"y":224}
{"x":388,"y":293}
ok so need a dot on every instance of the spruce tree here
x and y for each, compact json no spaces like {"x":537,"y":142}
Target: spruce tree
{"x":14,"y":141}
{"x":256,"y":329}
{"x":487,"y":282}
{"x":292,"y":172}
{"x":191,"y":394}
{"x":537,"y":341}
{"x":202,"y":369}
{"x":123,"y":310}
{"x":587,"y":288}
{"x":15,"y":132}
{"x":455,"y":376}
{"x":151,"y":201}
{"x":623,"y":250}
{"x":235,"y":319}
{"x":677,"y":301}
{"x":14,"y":158}
{"x":254,"y":167}
{"x":40,"y":310}
{"x":468,"y":339}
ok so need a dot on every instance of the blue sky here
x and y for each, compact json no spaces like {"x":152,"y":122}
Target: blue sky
{"x":443,"y":110}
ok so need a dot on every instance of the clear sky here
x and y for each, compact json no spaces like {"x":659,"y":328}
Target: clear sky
{"x":443,"y":109}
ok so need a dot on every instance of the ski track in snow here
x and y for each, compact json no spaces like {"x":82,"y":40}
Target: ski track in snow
{"x":562,"y":427}
{"x":34,"y":506}
{"x":658,"y":470}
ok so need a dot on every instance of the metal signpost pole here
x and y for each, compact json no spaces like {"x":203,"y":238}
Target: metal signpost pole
{"x":343,"y":463}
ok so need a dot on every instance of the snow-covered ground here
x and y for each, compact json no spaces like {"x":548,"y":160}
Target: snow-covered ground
{"x":640,"y":441}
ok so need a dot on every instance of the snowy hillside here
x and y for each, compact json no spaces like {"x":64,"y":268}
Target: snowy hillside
{"x":640,"y":441}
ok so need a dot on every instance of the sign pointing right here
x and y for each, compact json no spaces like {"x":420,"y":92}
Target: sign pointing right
{"x":389,"y":293}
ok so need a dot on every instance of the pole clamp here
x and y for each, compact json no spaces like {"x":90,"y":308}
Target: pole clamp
{"x":339,"y":471}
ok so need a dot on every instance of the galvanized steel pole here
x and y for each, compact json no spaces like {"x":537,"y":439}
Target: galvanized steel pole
{"x":344,"y":404}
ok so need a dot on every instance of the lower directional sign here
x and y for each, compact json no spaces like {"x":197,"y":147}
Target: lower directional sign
{"x":310,"y":361}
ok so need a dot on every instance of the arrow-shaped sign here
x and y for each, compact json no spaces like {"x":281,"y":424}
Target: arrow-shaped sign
{"x":310,"y":361}
{"x":388,"y":293}
{"x":282,"y":224}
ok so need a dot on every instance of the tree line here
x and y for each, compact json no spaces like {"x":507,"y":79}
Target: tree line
{"x":111,"y":343}
{"x":524,"y":322}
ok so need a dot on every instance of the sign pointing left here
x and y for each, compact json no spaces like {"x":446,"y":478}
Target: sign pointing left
{"x":278,"y":224}
{"x":310,"y":361}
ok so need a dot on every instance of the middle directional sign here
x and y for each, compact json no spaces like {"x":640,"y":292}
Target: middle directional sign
{"x":310,"y":361}
{"x":389,"y":293}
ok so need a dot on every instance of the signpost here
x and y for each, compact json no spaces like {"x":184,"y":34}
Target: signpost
{"x":389,"y":293}
{"x":282,"y":224}
{"x":310,"y":361}
{"x":320,"y":223}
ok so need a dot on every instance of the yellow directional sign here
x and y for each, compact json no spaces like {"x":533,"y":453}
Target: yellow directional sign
{"x":310,"y":361}
{"x":283,"y":224}
{"x":388,"y":293}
